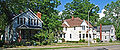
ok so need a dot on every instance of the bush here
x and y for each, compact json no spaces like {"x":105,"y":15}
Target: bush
{"x":1,"y":43}
{"x":63,"y":40}
{"x":110,"y":40}
{"x":38,"y":43}
{"x":82,"y":40}
{"x":97,"y":39}
{"x":9,"y":46}
{"x":28,"y":43}
{"x":73,"y":41}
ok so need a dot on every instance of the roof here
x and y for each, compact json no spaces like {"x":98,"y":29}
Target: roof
{"x":26,"y":12}
{"x":75,"y":22}
{"x":104,"y":27}
{"x":28,"y":27}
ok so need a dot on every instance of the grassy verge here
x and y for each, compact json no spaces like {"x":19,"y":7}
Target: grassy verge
{"x":65,"y":45}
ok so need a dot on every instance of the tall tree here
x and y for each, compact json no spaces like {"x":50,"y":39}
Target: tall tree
{"x":51,"y":23}
{"x":80,"y":8}
{"x":112,"y":14}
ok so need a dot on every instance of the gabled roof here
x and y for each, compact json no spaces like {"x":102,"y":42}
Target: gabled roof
{"x":26,"y":12}
{"x":104,"y":27}
{"x":75,"y":22}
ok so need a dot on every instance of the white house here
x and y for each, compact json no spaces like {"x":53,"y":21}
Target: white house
{"x":108,"y":32}
{"x":75,"y":29}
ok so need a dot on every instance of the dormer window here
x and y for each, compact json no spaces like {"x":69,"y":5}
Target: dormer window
{"x":35,"y":22}
{"x":66,"y":28}
{"x":83,"y":27}
{"x":21,"y":20}
{"x":31,"y":21}
{"x":28,"y":21}
{"x":17,"y":20}
{"x":24,"y":20}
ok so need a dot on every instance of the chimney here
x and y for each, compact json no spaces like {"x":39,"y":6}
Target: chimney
{"x":20,"y":11}
{"x":39,"y":14}
{"x":100,"y":31}
{"x":72,"y":17}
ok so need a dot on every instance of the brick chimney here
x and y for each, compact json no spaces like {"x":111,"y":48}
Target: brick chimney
{"x":39,"y":14}
{"x":100,"y":31}
{"x":72,"y":17}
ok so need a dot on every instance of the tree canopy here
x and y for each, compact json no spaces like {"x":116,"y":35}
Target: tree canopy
{"x":112,"y":16}
{"x":80,"y":8}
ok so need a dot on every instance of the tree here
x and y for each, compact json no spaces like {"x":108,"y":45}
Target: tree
{"x":112,"y":14}
{"x":50,"y":18}
{"x":80,"y":8}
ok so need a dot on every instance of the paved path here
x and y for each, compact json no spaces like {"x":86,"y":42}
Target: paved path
{"x":114,"y":47}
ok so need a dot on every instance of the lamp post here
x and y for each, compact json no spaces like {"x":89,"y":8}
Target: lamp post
{"x":88,"y":25}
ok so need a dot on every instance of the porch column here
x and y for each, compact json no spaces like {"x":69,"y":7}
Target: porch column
{"x":19,"y":39}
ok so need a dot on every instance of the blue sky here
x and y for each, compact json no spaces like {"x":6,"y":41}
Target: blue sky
{"x":100,"y":3}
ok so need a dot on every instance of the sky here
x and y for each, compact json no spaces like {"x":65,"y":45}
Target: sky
{"x":100,"y":3}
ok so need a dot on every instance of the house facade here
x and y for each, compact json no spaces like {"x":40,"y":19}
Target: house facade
{"x":108,"y":32}
{"x":75,"y":29}
{"x":23,"y":26}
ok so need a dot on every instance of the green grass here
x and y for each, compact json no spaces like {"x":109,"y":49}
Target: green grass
{"x":69,"y":45}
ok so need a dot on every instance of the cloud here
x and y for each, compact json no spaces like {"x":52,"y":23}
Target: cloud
{"x":101,"y":14}
{"x":60,"y":13}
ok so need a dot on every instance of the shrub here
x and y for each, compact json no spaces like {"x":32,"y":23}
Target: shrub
{"x":97,"y":39}
{"x":73,"y":41}
{"x":9,"y":46}
{"x":1,"y":43}
{"x":82,"y":40}
{"x":110,"y":40}
{"x":63,"y":40}
{"x":28,"y":43}
{"x":38,"y":43}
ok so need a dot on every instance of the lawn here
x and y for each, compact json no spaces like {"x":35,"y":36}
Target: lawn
{"x":63,"y":45}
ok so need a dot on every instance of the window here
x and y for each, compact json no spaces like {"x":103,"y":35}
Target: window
{"x":70,"y":36}
{"x":79,"y":31}
{"x":74,"y":28}
{"x":111,"y":36}
{"x":105,"y":37}
{"x":24,"y":20}
{"x":28,"y":21}
{"x":17,"y":20}
{"x":60,"y":35}
{"x":66,"y":28}
{"x":21,"y":20}
{"x":31,"y":21}
{"x":112,"y":31}
{"x":83,"y":35}
{"x":86,"y":35}
{"x":83,"y":27}
{"x":80,"y":36}
{"x":64,"y":35}
{"x":35,"y":22}
{"x":90,"y":35}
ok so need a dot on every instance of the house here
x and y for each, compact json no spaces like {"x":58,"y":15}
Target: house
{"x":23,"y":26}
{"x":75,"y":29}
{"x":107,"y":31}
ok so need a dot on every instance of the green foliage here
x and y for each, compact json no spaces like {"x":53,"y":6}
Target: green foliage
{"x":80,"y":8}
{"x":72,"y":41}
{"x":1,"y":43}
{"x":97,"y":39}
{"x":9,"y":46}
{"x":82,"y":40}
{"x":110,"y":40}
{"x":112,"y":16}
{"x":63,"y":40}
{"x":38,"y":43}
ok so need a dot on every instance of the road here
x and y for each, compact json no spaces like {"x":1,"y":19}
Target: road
{"x":114,"y":47}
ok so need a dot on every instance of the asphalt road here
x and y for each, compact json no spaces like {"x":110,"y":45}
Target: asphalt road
{"x":114,"y":47}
